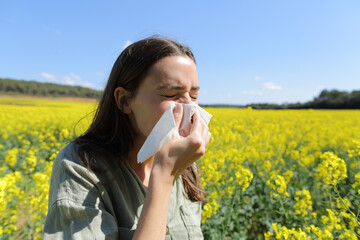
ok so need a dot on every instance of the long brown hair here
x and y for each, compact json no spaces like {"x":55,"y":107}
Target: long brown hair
{"x":111,"y":132}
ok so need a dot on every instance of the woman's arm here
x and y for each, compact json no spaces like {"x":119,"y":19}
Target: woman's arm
{"x":173,"y":158}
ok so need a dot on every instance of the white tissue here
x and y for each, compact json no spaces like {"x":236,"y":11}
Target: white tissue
{"x":164,"y":129}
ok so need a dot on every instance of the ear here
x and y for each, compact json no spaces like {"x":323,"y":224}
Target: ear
{"x":121,"y":98}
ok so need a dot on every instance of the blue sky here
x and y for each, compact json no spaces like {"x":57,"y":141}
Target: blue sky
{"x":246,"y":51}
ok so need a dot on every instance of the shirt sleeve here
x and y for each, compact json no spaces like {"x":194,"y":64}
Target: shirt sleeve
{"x":76,"y":209}
{"x":70,"y":220}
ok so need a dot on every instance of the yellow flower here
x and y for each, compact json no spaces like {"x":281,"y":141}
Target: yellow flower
{"x":348,"y":235}
{"x":244,"y":177}
{"x":11,"y":157}
{"x":3,"y":185}
{"x":303,"y":205}
{"x":357,"y":181}
{"x":332,"y":169}
{"x":278,"y":184}
{"x":282,"y":232}
{"x":288,"y":175}
{"x":268,"y":235}
{"x":321,"y":234}
{"x":277,"y":147}
{"x":31,"y":161}
{"x":332,"y":221}
{"x":64,"y":133}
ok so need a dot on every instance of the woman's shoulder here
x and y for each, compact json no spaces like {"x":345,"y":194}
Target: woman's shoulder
{"x":71,"y":180}
{"x":70,"y":170}
{"x":69,"y":157}
{"x":75,"y":195}
{"x":67,"y":154}
{"x":99,"y":169}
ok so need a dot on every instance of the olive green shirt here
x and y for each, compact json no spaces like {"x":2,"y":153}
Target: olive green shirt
{"x":88,"y":205}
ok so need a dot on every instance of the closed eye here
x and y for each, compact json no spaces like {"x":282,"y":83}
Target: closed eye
{"x":169,"y":96}
{"x":173,"y":96}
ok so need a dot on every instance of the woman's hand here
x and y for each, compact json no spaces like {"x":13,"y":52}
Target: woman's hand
{"x":172,"y":159}
{"x":180,"y":152}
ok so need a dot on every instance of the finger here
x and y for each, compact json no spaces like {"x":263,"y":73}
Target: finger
{"x":178,"y":113}
{"x":195,"y":121}
{"x":198,"y":124}
{"x":207,"y":138}
{"x":205,"y":134}
{"x":203,"y":129}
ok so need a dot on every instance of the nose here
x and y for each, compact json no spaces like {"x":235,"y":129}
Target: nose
{"x":186,"y":99}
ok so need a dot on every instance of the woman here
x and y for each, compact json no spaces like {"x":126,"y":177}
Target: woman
{"x":98,"y":190}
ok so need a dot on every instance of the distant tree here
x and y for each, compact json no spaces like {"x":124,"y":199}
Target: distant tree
{"x":45,"y":89}
{"x":354,"y":99}
{"x":9,"y":88}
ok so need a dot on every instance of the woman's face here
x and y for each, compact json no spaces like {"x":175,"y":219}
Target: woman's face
{"x":171,"y":79}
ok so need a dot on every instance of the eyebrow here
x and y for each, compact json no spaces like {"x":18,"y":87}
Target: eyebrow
{"x":176,"y":87}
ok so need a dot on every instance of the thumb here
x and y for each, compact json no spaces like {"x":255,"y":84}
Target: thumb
{"x":178,"y":113}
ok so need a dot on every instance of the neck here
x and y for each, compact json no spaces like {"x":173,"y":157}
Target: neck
{"x":143,"y":169}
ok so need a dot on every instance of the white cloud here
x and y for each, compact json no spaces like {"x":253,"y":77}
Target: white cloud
{"x":256,"y":78}
{"x":251,"y":92}
{"x":75,"y":80}
{"x":75,"y":77}
{"x":271,"y":86}
{"x":98,"y":88}
{"x":127,"y":43}
{"x":48,"y":76}
{"x":99,"y":74}
{"x":68,"y":81}
{"x":88,"y":84}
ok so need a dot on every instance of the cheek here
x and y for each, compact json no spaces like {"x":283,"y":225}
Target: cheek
{"x":163,"y":106}
{"x":157,"y":112}
{"x":150,"y":115}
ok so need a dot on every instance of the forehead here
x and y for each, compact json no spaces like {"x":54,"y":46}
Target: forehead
{"x":173,"y":71}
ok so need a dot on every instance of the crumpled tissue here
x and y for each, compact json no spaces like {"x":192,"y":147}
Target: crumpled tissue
{"x":164,"y":129}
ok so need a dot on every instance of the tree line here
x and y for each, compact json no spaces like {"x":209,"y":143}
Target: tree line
{"x":33,"y":88}
{"x":327,"y":99}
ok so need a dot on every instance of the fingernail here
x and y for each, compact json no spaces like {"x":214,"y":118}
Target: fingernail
{"x":177,"y":107}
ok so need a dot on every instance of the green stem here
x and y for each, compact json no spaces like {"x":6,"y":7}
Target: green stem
{"x":230,"y":214}
{"x":342,"y":200}
{"x":330,"y":200}
{"x":282,"y":206}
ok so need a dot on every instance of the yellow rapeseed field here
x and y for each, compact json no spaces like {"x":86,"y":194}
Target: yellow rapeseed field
{"x":270,"y":174}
